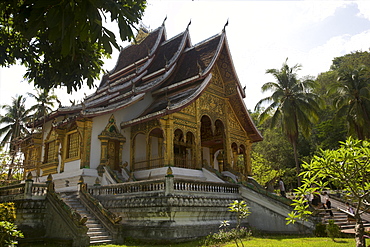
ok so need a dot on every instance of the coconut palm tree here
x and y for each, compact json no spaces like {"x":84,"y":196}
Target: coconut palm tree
{"x":353,"y":100}
{"x":292,"y":104}
{"x":45,"y":102}
{"x":15,"y":118}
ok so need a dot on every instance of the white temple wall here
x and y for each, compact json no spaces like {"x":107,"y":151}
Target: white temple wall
{"x":98,"y":126}
{"x":72,"y":166}
{"x":123,"y":115}
{"x":126,"y":151}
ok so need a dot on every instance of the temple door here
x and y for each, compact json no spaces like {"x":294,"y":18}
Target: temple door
{"x":113,"y":154}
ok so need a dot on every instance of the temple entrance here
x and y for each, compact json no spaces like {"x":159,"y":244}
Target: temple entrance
{"x":183,"y":150}
{"x":111,"y":145}
{"x":213,"y":143}
{"x":113,"y":155}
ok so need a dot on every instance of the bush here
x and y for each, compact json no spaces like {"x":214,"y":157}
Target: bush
{"x":224,"y":235}
{"x":320,"y":230}
{"x":332,"y":230}
{"x":8,"y":230}
{"x":9,"y":233}
{"x":7,"y":212}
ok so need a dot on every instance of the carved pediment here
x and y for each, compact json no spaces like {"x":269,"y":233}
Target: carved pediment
{"x":111,"y":131}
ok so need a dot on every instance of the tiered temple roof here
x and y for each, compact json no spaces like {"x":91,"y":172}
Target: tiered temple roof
{"x":172,"y":71}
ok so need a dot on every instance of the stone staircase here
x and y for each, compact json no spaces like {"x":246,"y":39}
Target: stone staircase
{"x":96,"y":232}
{"x":340,"y":217}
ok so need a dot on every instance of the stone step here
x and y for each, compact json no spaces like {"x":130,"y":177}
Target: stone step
{"x":96,"y":225}
{"x":349,"y":226}
{"x":101,"y":242}
{"x":92,"y":221}
{"x":96,"y":232}
{"x":101,"y":237}
{"x":96,"y":229}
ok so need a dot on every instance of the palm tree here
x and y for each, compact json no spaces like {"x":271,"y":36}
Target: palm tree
{"x":14,"y":119}
{"x":292,"y":104}
{"x":45,"y":102}
{"x":353,"y":100}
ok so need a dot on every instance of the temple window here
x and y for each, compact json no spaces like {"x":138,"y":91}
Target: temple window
{"x":50,"y":151}
{"x":73,"y":144}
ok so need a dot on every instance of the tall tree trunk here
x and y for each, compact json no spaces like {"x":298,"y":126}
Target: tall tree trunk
{"x":359,"y":232}
{"x":298,"y":167}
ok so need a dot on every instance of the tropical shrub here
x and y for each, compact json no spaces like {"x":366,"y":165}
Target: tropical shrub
{"x":8,"y":230}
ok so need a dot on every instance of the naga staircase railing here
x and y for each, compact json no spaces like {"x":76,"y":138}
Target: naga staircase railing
{"x":110,"y":221}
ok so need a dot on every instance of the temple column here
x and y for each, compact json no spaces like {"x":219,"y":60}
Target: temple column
{"x":197,"y":138}
{"x":85,"y":128}
{"x":247,"y":158}
{"x":167,"y":126}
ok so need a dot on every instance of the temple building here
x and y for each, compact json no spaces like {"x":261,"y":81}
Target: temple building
{"x":158,"y":152}
{"x":165,"y":103}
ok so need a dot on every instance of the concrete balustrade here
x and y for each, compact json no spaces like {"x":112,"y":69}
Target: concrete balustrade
{"x":169,"y":185}
{"x":26,"y":190}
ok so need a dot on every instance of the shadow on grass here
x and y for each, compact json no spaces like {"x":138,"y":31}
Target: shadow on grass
{"x":285,"y":237}
{"x":340,"y":241}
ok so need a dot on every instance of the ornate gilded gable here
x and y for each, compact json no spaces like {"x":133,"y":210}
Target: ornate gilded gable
{"x":111,"y":131}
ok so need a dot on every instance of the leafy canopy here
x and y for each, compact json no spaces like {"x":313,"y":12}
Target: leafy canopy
{"x":62,"y":42}
{"x":348,"y":167}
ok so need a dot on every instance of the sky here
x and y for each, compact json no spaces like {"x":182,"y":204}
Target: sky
{"x":260,"y":34}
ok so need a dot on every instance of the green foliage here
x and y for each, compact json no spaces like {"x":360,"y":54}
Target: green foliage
{"x":8,"y":231}
{"x":45,"y":102}
{"x":7,"y":211}
{"x":225,"y":235}
{"x":241,"y":209}
{"x":62,"y":43}
{"x":15,"y":118}
{"x":328,"y":133}
{"x":9,"y":234}
{"x":292,"y":104}
{"x":323,"y":83}
{"x":333,"y":230}
{"x":263,"y":170}
{"x":353,"y":100}
{"x":353,"y":59}
{"x":320,"y":230}
{"x":272,"y":158}
{"x":349,"y":166}
{"x":236,"y":234}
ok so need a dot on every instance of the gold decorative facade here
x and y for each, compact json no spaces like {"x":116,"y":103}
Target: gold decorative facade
{"x":183,"y":135}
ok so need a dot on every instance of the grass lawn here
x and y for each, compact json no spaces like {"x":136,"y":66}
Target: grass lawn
{"x":289,"y":241}
{"x":271,"y":241}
